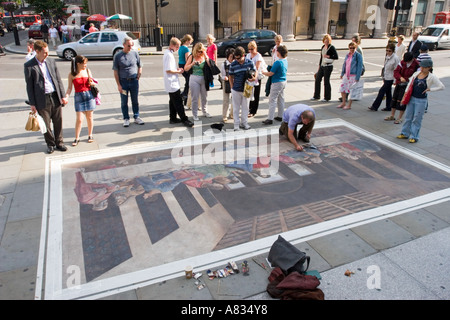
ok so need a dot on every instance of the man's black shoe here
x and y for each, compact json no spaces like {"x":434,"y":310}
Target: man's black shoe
{"x":50,"y":149}
{"x":278,"y":118}
{"x":188,"y":123}
{"x":61,"y":148}
{"x":174,"y":121}
{"x":267,"y":121}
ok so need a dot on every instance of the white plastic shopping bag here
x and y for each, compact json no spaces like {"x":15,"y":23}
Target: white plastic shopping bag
{"x":42,"y":125}
{"x":357,"y":90}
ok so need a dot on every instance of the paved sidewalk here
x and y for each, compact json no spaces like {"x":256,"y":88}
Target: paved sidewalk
{"x":410,"y":249}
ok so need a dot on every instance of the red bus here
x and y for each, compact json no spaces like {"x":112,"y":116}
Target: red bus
{"x":30,"y":19}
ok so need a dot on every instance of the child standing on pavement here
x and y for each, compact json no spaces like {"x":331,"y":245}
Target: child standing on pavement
{"x":226,"y":84}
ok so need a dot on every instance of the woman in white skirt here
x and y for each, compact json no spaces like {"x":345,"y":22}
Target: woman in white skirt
{"x":351,"y":72}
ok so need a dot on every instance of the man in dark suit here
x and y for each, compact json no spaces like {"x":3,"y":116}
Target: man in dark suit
{"x":415,"y":45}
{"x":46,"y":94}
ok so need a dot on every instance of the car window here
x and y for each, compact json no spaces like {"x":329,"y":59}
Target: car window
{"x":267,"y":34}
{"x":109,"y":37}
{"x":90,"y":38}
{"x":251,"y":35}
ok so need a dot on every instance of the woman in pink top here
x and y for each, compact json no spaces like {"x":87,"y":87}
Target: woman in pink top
{"x":351,"y":72}
{"x":81,"y":78}
{"x":211,"y":51}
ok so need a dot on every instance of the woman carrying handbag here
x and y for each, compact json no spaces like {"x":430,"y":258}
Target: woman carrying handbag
{"x":81,"y":79}
{"x":327,"y":57}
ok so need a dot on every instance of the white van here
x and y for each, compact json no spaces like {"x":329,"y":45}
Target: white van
{"x":436,"y":36}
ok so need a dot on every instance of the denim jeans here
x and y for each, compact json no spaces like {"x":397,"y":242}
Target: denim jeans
{"x":413,"y":117}
{"x":130,"y":86}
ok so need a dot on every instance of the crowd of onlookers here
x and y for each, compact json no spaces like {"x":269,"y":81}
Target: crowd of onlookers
{"x":407,"y":68}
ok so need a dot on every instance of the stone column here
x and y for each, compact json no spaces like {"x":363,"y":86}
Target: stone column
{"x":322,"y":19}
{"x":429,"y":13}
{"x":353,"y":12}
{"x":206,"y":18}
{"x":287,"y":20}
{"x":248,"y":17}
{"x":383,"y":19}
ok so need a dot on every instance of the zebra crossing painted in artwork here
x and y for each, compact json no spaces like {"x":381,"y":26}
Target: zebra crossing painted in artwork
{"x":127,"y":218}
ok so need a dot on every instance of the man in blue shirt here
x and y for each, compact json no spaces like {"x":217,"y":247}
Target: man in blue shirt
{"x":292,"y":117}
{"x":127,"y":68}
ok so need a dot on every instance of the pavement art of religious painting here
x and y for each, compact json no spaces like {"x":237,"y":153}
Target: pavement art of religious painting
{"x":131,"y":216}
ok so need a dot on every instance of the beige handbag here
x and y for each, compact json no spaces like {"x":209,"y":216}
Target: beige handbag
{"x":32,"y":122}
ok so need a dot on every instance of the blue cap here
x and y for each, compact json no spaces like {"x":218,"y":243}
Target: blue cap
{"x":426,"y":63}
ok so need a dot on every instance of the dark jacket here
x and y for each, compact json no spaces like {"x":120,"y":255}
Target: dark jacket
{"x":402,"y":70}
{"x":415,"y":50}
{"x":331,"y":52}
{"x":35,"y":82}
{"x":209,"y":71}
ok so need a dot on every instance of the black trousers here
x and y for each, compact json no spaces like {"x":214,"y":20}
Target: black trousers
{"x":176,"y":106}
{"x":325,"y":74}
{"x":253,"y":108}
{"x":186,"y":76}
{"x":52,"y":113}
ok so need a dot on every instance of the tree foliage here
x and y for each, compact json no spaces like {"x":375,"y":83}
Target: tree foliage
{"x":48,"y":7}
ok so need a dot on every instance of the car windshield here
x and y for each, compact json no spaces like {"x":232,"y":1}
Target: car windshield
{"x":432,"y":32}
{"x":131,"y":35}
{"x":236,"y":35}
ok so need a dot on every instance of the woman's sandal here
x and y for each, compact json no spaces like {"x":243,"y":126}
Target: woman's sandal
{"x":90,"y":139}
{"x":389,"y":118}
{"x":75,"y":142}
{"x":398,"y":121}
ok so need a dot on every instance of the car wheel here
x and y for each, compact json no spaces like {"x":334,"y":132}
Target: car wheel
{"x":435,"y":46}
{"x":69,"y":54}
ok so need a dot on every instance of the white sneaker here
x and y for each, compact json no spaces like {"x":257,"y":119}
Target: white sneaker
{"x":246,"y":127}
{"x":126,"y":122}
{"x":196,"y":118}
{"x":207,"y":115}
{"x":139,"y":121}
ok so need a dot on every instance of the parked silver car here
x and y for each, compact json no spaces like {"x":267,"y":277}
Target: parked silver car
{"x":104,"y":43}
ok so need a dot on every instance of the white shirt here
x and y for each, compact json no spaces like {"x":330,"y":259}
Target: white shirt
{"x":53,"y":32}
{"x":48,"y":83}
{"x":30,"y":55}
{"x":171,"y":81}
